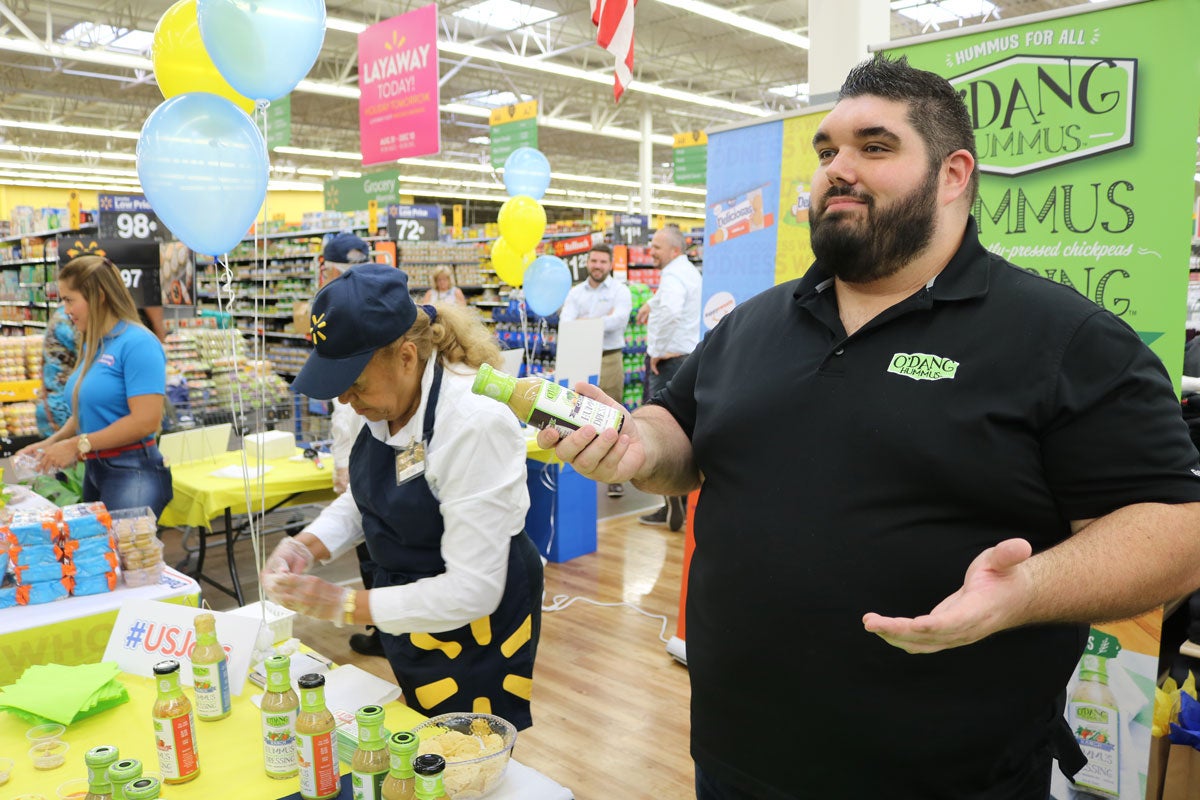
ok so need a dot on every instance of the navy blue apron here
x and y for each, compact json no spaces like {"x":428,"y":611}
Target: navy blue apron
{"x":484,"y":666}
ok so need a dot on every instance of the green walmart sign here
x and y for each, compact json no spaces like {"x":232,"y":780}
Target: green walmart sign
{"x":1033,"y":112}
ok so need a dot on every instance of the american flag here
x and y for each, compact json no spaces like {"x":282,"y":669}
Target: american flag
{"x":614,"y":22}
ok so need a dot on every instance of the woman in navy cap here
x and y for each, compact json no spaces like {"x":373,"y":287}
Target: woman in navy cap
{"x":437,"y":491}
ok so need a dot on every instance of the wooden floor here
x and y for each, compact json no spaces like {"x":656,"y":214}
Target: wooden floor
{"x":610,"y":706}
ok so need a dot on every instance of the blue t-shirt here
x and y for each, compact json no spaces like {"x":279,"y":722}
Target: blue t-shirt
{"x":131,"y":362}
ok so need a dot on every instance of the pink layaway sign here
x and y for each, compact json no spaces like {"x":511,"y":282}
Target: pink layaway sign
{"x":398,"y":77}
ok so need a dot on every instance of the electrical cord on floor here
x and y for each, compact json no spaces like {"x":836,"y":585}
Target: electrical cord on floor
{"x":561,"y":602}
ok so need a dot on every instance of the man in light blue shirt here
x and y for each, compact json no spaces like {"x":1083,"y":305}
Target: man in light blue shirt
{"x":603,"y":297}
{"x":672,"y":319}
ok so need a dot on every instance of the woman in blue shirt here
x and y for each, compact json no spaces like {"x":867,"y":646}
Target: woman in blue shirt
{"x":116,"y":392}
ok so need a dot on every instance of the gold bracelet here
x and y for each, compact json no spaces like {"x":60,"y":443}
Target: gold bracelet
{"x":349,"y":604}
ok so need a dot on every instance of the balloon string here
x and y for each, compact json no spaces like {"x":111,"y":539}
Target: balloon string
{"x":258,"y":374}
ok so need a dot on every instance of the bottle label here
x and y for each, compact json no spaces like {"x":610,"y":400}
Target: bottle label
{"x":429,"y":785}
{"x":211,"y":682}
{"x":366,"y":785}
{"x":318,"y":764}
{"x":279,"y":742}
{"x":567,"y":411}
{"x":175,"y":741}
{"x":1097,"y":729}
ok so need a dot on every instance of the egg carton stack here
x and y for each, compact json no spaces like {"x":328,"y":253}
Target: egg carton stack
{"x":89,"y":544}
{"x":138,"y":545}
{"x":40,"y":570}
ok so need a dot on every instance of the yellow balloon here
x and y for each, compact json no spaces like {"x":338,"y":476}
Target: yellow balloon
{"x":509,"y":263}
{"x":522,"y":222}
{"x":181,"y":64}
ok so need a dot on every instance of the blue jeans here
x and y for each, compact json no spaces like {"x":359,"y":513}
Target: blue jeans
{"x":131,"y":479}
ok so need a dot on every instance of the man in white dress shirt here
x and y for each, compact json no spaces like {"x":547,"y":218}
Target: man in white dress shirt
{"x":603,"y":297}
{"x":672,"y":317}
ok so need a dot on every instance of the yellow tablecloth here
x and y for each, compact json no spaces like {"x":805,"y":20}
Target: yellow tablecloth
{"x":230,"y":750}
{"x":200,"y":497}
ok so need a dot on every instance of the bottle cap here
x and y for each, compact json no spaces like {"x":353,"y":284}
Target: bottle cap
{"x":125,"y":770}
{"x":402,"y":742}
{"x":166,"y":667}
{"x":143,"y":789}
{"x":205,"y":623}
{"x":429,"y":764}
{"x":369,"y":715}
{"x":491,"y":383}
{"x":312,"y":680}
{"x":101,"y":756}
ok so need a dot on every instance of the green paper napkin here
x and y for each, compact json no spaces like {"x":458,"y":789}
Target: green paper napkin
{"x":62,"y":694}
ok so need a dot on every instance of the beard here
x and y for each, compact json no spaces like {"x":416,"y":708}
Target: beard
{"x":881,"y":244}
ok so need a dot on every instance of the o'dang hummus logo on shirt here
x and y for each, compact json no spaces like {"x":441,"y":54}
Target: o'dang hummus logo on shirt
{"x":1033,"y":112}
{"x":923,"y":366}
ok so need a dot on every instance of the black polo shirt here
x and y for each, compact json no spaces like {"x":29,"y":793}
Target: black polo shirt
{"x":847,"y":474}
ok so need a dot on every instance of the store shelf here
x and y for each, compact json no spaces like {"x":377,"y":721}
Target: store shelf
{"x":47,"y":234}
{"x":28,"y":323}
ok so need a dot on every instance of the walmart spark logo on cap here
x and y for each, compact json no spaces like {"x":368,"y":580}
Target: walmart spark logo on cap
{"x":314,"y":330}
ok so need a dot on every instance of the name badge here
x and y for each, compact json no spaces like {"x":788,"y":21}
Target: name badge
{"x":410,"y":462}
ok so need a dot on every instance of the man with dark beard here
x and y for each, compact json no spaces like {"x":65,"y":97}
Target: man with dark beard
{"x":923,"y":472}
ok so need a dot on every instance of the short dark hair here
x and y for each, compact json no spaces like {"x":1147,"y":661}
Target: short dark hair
{"x":935,"y":108}
{"x":601,"y":248}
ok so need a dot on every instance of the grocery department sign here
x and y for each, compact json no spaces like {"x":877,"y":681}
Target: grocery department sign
{"x":353,"y":194}
{"x":1033,"y":112}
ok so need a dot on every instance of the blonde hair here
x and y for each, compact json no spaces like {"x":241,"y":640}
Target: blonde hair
{"x":442,"y":270}
{"x":456,"y":336}
{"x":99,"y":281}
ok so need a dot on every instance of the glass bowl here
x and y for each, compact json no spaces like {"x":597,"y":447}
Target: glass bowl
{"x":469,"y":776}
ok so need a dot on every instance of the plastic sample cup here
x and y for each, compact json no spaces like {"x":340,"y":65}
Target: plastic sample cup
{"x":6,"y":768}
{"x":74,"y":789}
{"x":49,"y":754}
{"x":49,"y":732}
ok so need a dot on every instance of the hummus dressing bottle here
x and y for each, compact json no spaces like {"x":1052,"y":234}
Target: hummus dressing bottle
{"x":210,"y":672}
{"x":174,"y":727}
{"x":98,"y":760}
{"x":369,"y":766}
{"x":429,"y":769}
{"x":543,"y":404}
{"x":402,"y":748}
{"x":1095,"y":718}
{"x":315,"y":748}
{"x":279,"y":705}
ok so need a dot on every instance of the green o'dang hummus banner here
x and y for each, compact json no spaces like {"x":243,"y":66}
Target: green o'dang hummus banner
{"x":1085,"y":128}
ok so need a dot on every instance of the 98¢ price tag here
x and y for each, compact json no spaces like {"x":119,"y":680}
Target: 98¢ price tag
{"x":136,"y":226}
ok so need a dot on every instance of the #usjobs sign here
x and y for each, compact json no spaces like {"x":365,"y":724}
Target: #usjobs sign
{"x":1033,"y":112}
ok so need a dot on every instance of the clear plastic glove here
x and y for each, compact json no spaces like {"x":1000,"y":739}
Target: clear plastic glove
{"x":341,"y":479}
{"x":308,"y":595}
{"x":290,"y":556}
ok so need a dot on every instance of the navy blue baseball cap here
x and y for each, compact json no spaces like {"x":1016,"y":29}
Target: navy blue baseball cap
{"x":367,"y":308}
{"x":340,"y":246}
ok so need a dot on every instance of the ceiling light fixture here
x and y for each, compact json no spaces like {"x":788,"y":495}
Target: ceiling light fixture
{"x":718,"y":14}
{"x":78,"y":130}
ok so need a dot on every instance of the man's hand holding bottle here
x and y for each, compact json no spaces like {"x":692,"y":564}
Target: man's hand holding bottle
{"x":609,"y":457}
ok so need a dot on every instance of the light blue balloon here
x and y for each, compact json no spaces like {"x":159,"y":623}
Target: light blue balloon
{"x":547,"y":281}
{"x":526,"y":171}
{"x":264,"y":47}
{"x":203,"y":166}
